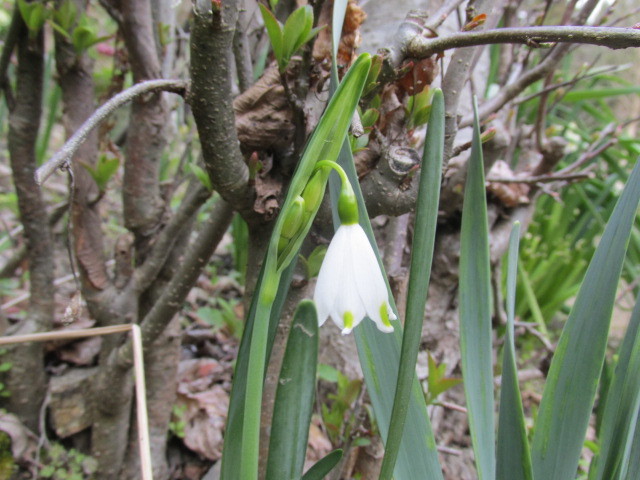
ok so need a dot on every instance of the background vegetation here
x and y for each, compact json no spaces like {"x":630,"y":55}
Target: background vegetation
{"x":161,"y":216}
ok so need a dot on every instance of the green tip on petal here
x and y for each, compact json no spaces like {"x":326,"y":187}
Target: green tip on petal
{"x":384,"y":316}
{"x":348,"y":322}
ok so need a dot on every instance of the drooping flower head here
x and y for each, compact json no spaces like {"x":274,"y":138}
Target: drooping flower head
{"x":350,"y":284}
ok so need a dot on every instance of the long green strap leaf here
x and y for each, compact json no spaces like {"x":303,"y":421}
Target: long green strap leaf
{"x":514,"y":458}
{"x":322,"y":468}
{"x":294,"y":397}
{"x":475,"y":312}
{"x":633,"y":463}
{"x":621,"y":407}
{"x":419,"y":275}
{"x":573,"y":377}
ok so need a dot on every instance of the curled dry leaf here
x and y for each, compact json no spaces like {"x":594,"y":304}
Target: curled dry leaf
{"x":318,"y":446}
{"x":24,"y":443}
{"x":419,"y":76}
{"x":263,"y":116}
{"x":203,"y":402}
{"x":350,"y":39}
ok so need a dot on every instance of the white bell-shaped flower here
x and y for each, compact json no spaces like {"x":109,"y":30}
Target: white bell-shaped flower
{"x":350,"y":283}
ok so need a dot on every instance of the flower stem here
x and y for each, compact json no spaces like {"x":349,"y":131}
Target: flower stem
{"x":255,"y":379}
{"x":347,"y":202}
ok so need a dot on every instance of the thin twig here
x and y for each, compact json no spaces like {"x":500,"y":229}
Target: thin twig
{"x":420,"y":47}
{"x":64,"y":335}
{"x":571,"y":177}
{"x":590,"y":154}
{"x":441,"y":15}
{"x":571,"y":82}
{"x":530,"y":327}
{"x":144,"y":442}
{"x":451,"y":406}
{"x":449,"y":450}
{"x":71,"y":146}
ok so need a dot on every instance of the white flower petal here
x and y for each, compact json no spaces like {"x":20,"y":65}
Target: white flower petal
{"x":370,"y":282}
{"x":350,"y":283}
{"x":328,"y":284}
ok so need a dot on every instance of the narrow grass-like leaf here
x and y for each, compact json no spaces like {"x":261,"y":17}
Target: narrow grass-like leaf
{"x":322,"y":468}
{"x":419,"y":275}
{"x":294,"y":396}
{"x":621,"y":407}
{"x":475,"y":312}
{"x":633,"y":464}
{"x":573,"y":377}
{"x":578,"y":95}
{"x":513,"y":455}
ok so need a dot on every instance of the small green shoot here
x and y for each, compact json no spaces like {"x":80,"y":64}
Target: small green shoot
{"x":437,"y":382}
{"x":288,"y":39}
{"x":334,"y":413}
{"x":106,"y":167}
{"x":34,"y":14}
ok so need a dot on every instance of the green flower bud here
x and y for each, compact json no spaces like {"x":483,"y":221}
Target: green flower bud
{"x":314,"y":191}
{"x":293,"y":218}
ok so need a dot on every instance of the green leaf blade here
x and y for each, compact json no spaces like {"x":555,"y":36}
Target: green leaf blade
{"x":475,"y":312}
{"x":513,"y":460}
{"x":421,"y":261}
{"x":573,"y":377}
{"x":621,"y":408}
{"x":322,"y":468}
{"x":274,"y":30}
{"x":294,"y":396}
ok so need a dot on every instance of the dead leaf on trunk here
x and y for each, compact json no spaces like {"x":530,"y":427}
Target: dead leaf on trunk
{"x":203,"y":401}
{"x":318,"y":446}
{"x":24,"y":443}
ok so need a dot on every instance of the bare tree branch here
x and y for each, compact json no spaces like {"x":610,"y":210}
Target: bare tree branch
{"x":210,"y":98}
{"x":146,"y":136}
{"x":152,"y":265}
{"x":615,"y":38}
{"x":241,"y":51}
{"x":570,"y":177}
{"x":176,"y":291}
{"x":71,"y":146}
{"x":454,"y":81}
{"x":24,"y":122}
